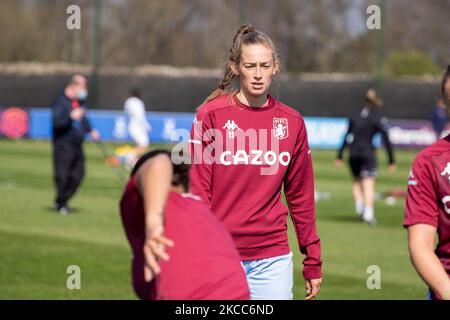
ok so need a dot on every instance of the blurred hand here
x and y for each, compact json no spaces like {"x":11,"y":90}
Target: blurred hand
{"x":392,"y":167}
{"x":77,"y":114}
{"x":338,"y":163}
{"x":95,"y":135}
{"x":154,"y":246}
{"x":446,"y":296}
{"x":312,"y":288}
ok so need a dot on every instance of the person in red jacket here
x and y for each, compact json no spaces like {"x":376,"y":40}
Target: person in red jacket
{"x":180,"y":249}
{"x":245,"y":147}
{"x":427,"y":212}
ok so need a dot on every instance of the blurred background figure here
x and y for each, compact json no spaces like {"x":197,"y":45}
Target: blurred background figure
{"x":363,"y":162}
{"x":439,"y":117}
{"x":69,"y":124}
{"x":138,"y":127}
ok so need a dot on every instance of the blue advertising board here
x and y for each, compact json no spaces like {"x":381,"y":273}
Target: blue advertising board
{"x":172,"y":127}
{"x":113,"y":125}
{"x":327,"y":133}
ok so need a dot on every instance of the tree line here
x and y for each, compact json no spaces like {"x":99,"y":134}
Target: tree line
{"x":311,"y":35}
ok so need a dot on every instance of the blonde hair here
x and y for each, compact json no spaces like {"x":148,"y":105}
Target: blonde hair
{"x":245,"y":35}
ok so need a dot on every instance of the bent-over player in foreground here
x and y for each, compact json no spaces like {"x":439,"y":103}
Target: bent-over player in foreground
{"x":180,"y":249}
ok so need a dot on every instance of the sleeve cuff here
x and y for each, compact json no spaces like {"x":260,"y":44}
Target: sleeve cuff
{"x":312,"y":272}
{"x":412,"y":222}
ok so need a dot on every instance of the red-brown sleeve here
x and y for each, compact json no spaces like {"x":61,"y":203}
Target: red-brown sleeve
{"x":299,"y":191}
{"x":421,"y":199}
{"x":200,"y":173}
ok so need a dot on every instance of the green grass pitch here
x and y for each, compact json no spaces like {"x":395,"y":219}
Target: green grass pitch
{"x":37,"y":245}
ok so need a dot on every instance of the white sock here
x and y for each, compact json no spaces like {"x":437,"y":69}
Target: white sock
{"x":368,"y":214}
{"x":359,"y":207}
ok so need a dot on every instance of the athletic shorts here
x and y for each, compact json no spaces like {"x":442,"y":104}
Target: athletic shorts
{"x":271,"y":278}
{"x":363,"y":166}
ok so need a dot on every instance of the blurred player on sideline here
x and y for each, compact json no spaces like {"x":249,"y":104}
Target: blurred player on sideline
{"x":70,"y":125}
{"x":180,"y":249}
{"x":439,"y":117}
{"x":259,"y":145}
{"x":427,"y":212}
{"x":138,"y":126}
{"x":363,"y":162}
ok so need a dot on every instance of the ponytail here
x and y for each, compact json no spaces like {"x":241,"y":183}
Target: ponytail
{"x":227,"y":79}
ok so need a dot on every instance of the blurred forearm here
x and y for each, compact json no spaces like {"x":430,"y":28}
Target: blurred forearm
{"x":427,"y":264}
{"x":154,"y":180}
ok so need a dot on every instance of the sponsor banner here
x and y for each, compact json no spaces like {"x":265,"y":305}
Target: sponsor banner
{"x":14,"y":123}
{"x":329,"y":133}
{"x":412,"y":134}
{"x":171,"y":127}
{"x":326,"y":133}
{"x":113,"y":125}
{"x":40,"y":124}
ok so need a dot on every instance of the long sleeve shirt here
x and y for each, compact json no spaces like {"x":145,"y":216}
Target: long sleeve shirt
{"x":242,"y":157}
{"x":363,"y":126}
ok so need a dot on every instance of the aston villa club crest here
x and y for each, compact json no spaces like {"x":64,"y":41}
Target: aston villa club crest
{"x":280,"y":128}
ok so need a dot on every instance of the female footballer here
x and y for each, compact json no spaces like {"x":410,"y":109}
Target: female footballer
{"x":427,"y":212}
{"x":246,"y":146}
{"x":363,"y":163}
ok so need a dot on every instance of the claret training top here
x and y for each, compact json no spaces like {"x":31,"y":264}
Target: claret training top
{"x":242,"y":157}
{"x":428,"y":196}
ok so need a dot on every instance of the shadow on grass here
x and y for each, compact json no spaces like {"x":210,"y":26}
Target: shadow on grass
{"x":52,"y":209}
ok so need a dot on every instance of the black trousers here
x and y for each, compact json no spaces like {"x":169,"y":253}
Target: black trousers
{"x":68,"y":167}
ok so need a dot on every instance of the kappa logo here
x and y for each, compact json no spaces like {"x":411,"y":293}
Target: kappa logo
{"x":280,"y":128}
{"x":412,"y":179}
{"x":231,"y":127}
{"x":446,"y":171}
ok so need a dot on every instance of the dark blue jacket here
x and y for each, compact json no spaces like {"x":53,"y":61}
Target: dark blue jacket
{"x":439,"y":119}
{"x":64,"y":128}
